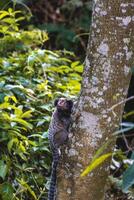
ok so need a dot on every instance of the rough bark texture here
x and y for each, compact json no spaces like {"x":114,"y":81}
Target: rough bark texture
{"x":105,"y":83}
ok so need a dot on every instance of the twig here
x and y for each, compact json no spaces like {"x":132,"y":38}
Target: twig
{"x":121,"y":102}
{"x":126,"y":143}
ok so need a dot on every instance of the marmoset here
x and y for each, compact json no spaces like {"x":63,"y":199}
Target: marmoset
{"x":57,"y":134}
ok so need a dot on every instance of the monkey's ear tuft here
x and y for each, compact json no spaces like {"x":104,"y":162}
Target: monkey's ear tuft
{"x":55,"y":102}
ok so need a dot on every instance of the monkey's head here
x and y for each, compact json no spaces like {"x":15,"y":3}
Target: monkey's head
{"x":63,"y":104}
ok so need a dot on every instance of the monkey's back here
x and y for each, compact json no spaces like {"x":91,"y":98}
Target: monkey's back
{"x":55,"y":126}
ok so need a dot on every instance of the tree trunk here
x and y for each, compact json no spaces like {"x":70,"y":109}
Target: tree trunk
{"x":105,"y":83}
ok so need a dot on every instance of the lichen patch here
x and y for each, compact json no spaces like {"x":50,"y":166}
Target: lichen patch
{"x":103,"y":48}
{"x":72,"y":152}
{"x":129,"y":55}
{"x":126,"y":20}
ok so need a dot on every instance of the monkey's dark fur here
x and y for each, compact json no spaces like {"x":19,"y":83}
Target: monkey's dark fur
{"x":58,"y":133}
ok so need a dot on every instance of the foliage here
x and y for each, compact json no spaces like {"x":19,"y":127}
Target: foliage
{"x":67,"y":22}
{"x":98,"y":158}
{"x":122,"y":166}
{"x":14,"y":39}
{"x":95,"y":163}
{"x":120,"y":161}
{"x":125,"y":181}
{"x":128,"y":178}
{"x":30,"y":78}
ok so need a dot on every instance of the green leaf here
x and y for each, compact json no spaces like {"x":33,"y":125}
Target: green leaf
{"x":16,"y":133}
{"x":4,"y":105}
{"x":22,"y":156}
{"x":46,"y":107}
{"x":3,"y":169}
{"x":9,"y":20}
{"x":10,"y":10}
{"x":74,"y":64}
{"x":3,"y":14}
{"x":41,"y":122}
{"x":22,"y":148}
{"x":95,"y":164}
{"x":10,"y":87}
{"x":11,"y":142}
{"x":7,"y":98}
{"x":128,"y":177}
{"x":14,"y":99}
{"x":18,"y":111}
{"x":41,"y":149}
{"x":17,"y":11}
{"x":23,"y":122}
{"x":26,"y":186}
{"x":45,"y":135}
{"x":79,"y":68}
{"x":128,"y":114}
{"x":35,"y":135}
{"x":6,"y":191}
{"x":6,"y":116}
{"x":102,"y":149}
{"x":27,"y":114}
{"x":20,"y":19}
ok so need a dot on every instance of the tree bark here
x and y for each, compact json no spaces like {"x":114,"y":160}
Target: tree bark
{"x":105,"y":83}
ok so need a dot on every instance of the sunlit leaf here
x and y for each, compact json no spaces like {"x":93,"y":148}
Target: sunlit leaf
{"x":11,"y":142}
{"x":95,"y":163}
{"x":8,"y":20}
{"x":3,"y":14}
{"x":20,"y":19}
{"x":10,"y":10}
{"x":4,"y":105}
{"x":27,"y":187}
{"x":128,"y":114}
{"x":6,"y":116}
{"x":14,"y":99}
{"x":79,"y":68}
{"x":102,"y":148}
{"x":18,"y":111}
{"x":23,"y":122}
{"x":22,"y":148}
{"x":74,"y":64}
{"x":27,"y":114}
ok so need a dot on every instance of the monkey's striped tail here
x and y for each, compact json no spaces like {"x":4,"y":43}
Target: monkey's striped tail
{"x":52,"y":188}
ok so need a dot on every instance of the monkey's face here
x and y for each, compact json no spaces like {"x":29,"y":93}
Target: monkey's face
{"x":64,"y":104}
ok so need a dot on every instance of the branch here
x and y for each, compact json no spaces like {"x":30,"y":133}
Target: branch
{"x":121,"y":102}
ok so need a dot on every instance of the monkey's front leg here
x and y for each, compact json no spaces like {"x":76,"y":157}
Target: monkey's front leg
{"x":60,"y":137}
